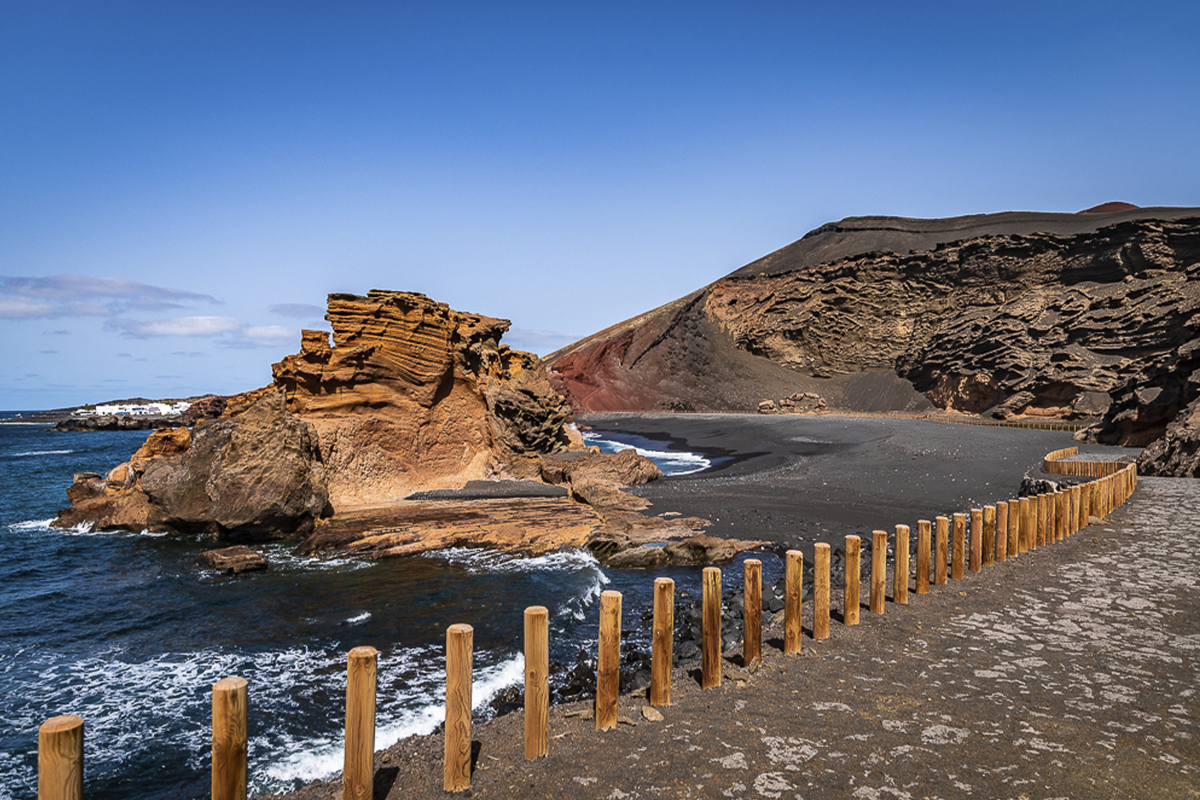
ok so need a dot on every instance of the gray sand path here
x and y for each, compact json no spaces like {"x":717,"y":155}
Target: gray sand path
{"x":1069,"y":672}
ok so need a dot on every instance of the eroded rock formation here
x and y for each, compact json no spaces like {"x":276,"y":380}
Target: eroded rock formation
{"x":256,"y":475}
{"x":1008,"y":314}
{"x":410,"y":397}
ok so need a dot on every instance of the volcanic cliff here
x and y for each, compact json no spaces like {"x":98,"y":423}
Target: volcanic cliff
{"x":1066,"y":315}
{"x":410,"y":395}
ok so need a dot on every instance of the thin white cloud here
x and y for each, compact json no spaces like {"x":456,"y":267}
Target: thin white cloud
{"x":298,"y":310}
{"x":81,"y":295}
{"x":226,"y":331}
{"x":24,"y":308}
{"x":177,"y":326}
{"x":271,"y":335}
{"x":540,"y":342}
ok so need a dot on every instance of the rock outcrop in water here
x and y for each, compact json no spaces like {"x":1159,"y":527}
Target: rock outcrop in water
{"x":1012,"y":315}
{"x":411,"y":395}
{"x":353,"y":441}
{"x":256,"y":475}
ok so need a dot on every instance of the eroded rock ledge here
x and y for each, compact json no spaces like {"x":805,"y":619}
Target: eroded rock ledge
{"x":407,"y":397}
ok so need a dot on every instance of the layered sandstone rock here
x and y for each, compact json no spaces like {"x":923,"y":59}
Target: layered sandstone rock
{"x":412,"y":395}
{"x":1009,"y":314}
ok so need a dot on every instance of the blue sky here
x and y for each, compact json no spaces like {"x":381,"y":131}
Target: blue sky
{"x":181,"y":184}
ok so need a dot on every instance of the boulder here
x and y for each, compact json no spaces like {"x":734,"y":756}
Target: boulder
{"x":234,"y":560}
{"x":254,"y":476}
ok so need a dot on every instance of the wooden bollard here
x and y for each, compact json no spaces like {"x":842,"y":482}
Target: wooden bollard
{"x":901,"y":572}
{"x":793,"y":601}
{"x":358,"y":764}
{"x":1052,"y":517}
{"x":460,"y":640}
{"x":878,"y":570}
{"x":710,"y":649}
{"x":850,"y":597}
{"x":821,"y":590}
{"x":976,"y":560}
{"x":664,"y":642}
{"x":960,"y":545}
{"x":1080,"y":511}
{"x":537,"y":682}
{"x":1026,"y":526}
{"x":989,"y":536}
{"x":1002,"y":530}
{"x":608,"y":661}
{"x":1061,"y":511}
{"x":1041,"y":521}
{"x":229,"y":739}
{"x":1085,"y":513}
{"x":924,"y":528}
{"x":60,"y":758}
{"x":751,"y":612}
{"x":1014,"y":528}
{"x":942,"y":557}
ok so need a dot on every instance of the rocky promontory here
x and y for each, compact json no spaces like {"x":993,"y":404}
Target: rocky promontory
{"x":409,"y":428}
{"x":1075,"y":316}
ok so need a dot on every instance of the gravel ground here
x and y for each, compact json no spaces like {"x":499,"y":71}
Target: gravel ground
{"x":1068,"y":672}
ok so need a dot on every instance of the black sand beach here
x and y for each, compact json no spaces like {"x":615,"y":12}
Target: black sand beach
{"x":798,"y":480}
{"x":1067,"y":672}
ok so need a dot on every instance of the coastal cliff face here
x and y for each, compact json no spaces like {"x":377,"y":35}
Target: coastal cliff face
{"x":412,"y":395}
{"x":1009,"y":314}
{"x":409,"y":396}
{"x":256,"y":475}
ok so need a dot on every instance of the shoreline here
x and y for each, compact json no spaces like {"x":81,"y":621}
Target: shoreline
{"x":1028,"y":678}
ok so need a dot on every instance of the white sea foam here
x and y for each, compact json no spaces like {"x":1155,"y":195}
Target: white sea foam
{"x":322,"y":757}
{"x":282,"y":557}
{"x":130,"y":704}
{"x":41,"y":453}
{"x":671,"y":462}
{"x":480,"y":560}
{"x":32,"y":525}
{"x":363,"y":617}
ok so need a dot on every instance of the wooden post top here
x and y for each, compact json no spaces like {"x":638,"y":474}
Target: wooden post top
{"x":363,"y":652}
{"x":610,"y":594}
{"x":231,"y":684}
{"x":537,"y":611}
{"x":664,"y":582}
{"x":59,"y":724}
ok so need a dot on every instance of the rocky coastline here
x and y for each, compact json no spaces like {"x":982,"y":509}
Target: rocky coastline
{"x":377,"y":444}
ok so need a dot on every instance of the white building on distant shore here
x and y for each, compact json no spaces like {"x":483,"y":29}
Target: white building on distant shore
{"x":164,"y":408}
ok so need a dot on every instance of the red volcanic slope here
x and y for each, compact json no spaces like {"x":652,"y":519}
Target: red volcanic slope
{"x":1105,"y":208}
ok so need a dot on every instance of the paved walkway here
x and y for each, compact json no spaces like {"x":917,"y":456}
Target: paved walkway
{"x":1069,"y":672}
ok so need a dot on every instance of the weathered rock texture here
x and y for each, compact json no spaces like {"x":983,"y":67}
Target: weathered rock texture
{"x":409,"y":397}
{"x":257,"y":475}
{"x":1014,"y":314}
{"x":413,"y":395}
{"x":234,"y":560}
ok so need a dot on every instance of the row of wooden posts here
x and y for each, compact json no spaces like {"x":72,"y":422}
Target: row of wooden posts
{"x":997,"y":532}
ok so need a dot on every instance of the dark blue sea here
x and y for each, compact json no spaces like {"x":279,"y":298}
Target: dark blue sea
{"x":126,"y":631}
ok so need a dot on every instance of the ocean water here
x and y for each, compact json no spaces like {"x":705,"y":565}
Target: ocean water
{"x":128,"y":632}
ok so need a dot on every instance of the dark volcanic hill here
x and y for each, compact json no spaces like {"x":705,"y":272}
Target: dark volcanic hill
{"x":1019,"y":313}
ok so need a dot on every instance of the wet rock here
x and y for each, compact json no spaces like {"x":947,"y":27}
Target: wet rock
{"x":233,"y":560}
